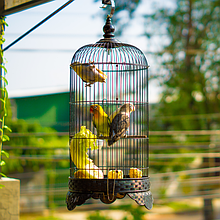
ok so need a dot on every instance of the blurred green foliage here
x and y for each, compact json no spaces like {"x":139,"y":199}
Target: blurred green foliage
{"x":188,"y":73}
{"x":182,"y":206}
{"x":136,"y":212}
{"x":48,"y":218}
{"x":97,"y":216}
{"x":36,"y":144}
{"x":3,"y":98}
{"x":189,"y":65}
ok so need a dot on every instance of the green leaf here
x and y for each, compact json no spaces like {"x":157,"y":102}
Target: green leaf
{"x":3,"y":67}
{"x":2,"y":163}
{"x":5,"y":23}
{"x":2,"y":21}
{"x":5,"y":138}
{"x":1,"y":186}
{"x":7,"y":128}
{"x":5,"y":91}
{"x":3,"y":78}
{"x":5,"y":153}
{"x":2,"y":100}
{"x":2,"y":174}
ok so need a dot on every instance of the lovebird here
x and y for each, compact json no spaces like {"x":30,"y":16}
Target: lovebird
{"x":111,"y":117}
{"x":100,"y":120}
{"x":88,"y":73}
{"x":120,"y":123}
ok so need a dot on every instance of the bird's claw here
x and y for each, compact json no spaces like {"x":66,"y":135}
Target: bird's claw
{"x":88,"y":85}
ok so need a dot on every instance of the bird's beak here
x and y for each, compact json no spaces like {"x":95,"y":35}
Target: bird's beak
{"x":133,"y":109}
{"x":74,"y":64}
{"x":91,"y":109}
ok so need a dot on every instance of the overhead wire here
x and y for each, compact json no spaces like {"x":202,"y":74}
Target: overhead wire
{"x":37,"y":25}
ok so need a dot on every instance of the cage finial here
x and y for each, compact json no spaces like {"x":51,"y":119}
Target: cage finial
{"x":108,"y":28}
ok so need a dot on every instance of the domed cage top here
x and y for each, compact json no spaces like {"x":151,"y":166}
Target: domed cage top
{"x":109,"y":124}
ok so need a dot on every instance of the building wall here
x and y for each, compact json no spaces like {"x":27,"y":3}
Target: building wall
{"x":49,"y":110}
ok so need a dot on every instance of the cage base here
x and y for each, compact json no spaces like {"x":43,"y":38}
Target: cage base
{"x":108,"y":190}
{"x":143,"y":198}
{"x":77,"y":199}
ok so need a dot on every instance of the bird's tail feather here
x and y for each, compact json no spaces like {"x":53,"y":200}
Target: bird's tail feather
{"x":110,"y":142}
{"x":113,"y":140}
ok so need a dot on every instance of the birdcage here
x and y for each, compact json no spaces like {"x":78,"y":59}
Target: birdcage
{"x":109,"y":123}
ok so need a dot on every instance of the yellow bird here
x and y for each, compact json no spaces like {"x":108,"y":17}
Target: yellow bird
{"x":88,"y":73}
{"x":100,"y":120}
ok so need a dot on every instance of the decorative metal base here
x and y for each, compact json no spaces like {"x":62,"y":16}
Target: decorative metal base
{"x":143,"y":198}
{"x":108,"y":190}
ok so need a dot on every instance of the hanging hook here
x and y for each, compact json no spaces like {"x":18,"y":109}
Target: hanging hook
{"x":109,"y":2}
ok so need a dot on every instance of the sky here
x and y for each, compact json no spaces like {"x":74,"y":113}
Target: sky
{"x":39,"y":63}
